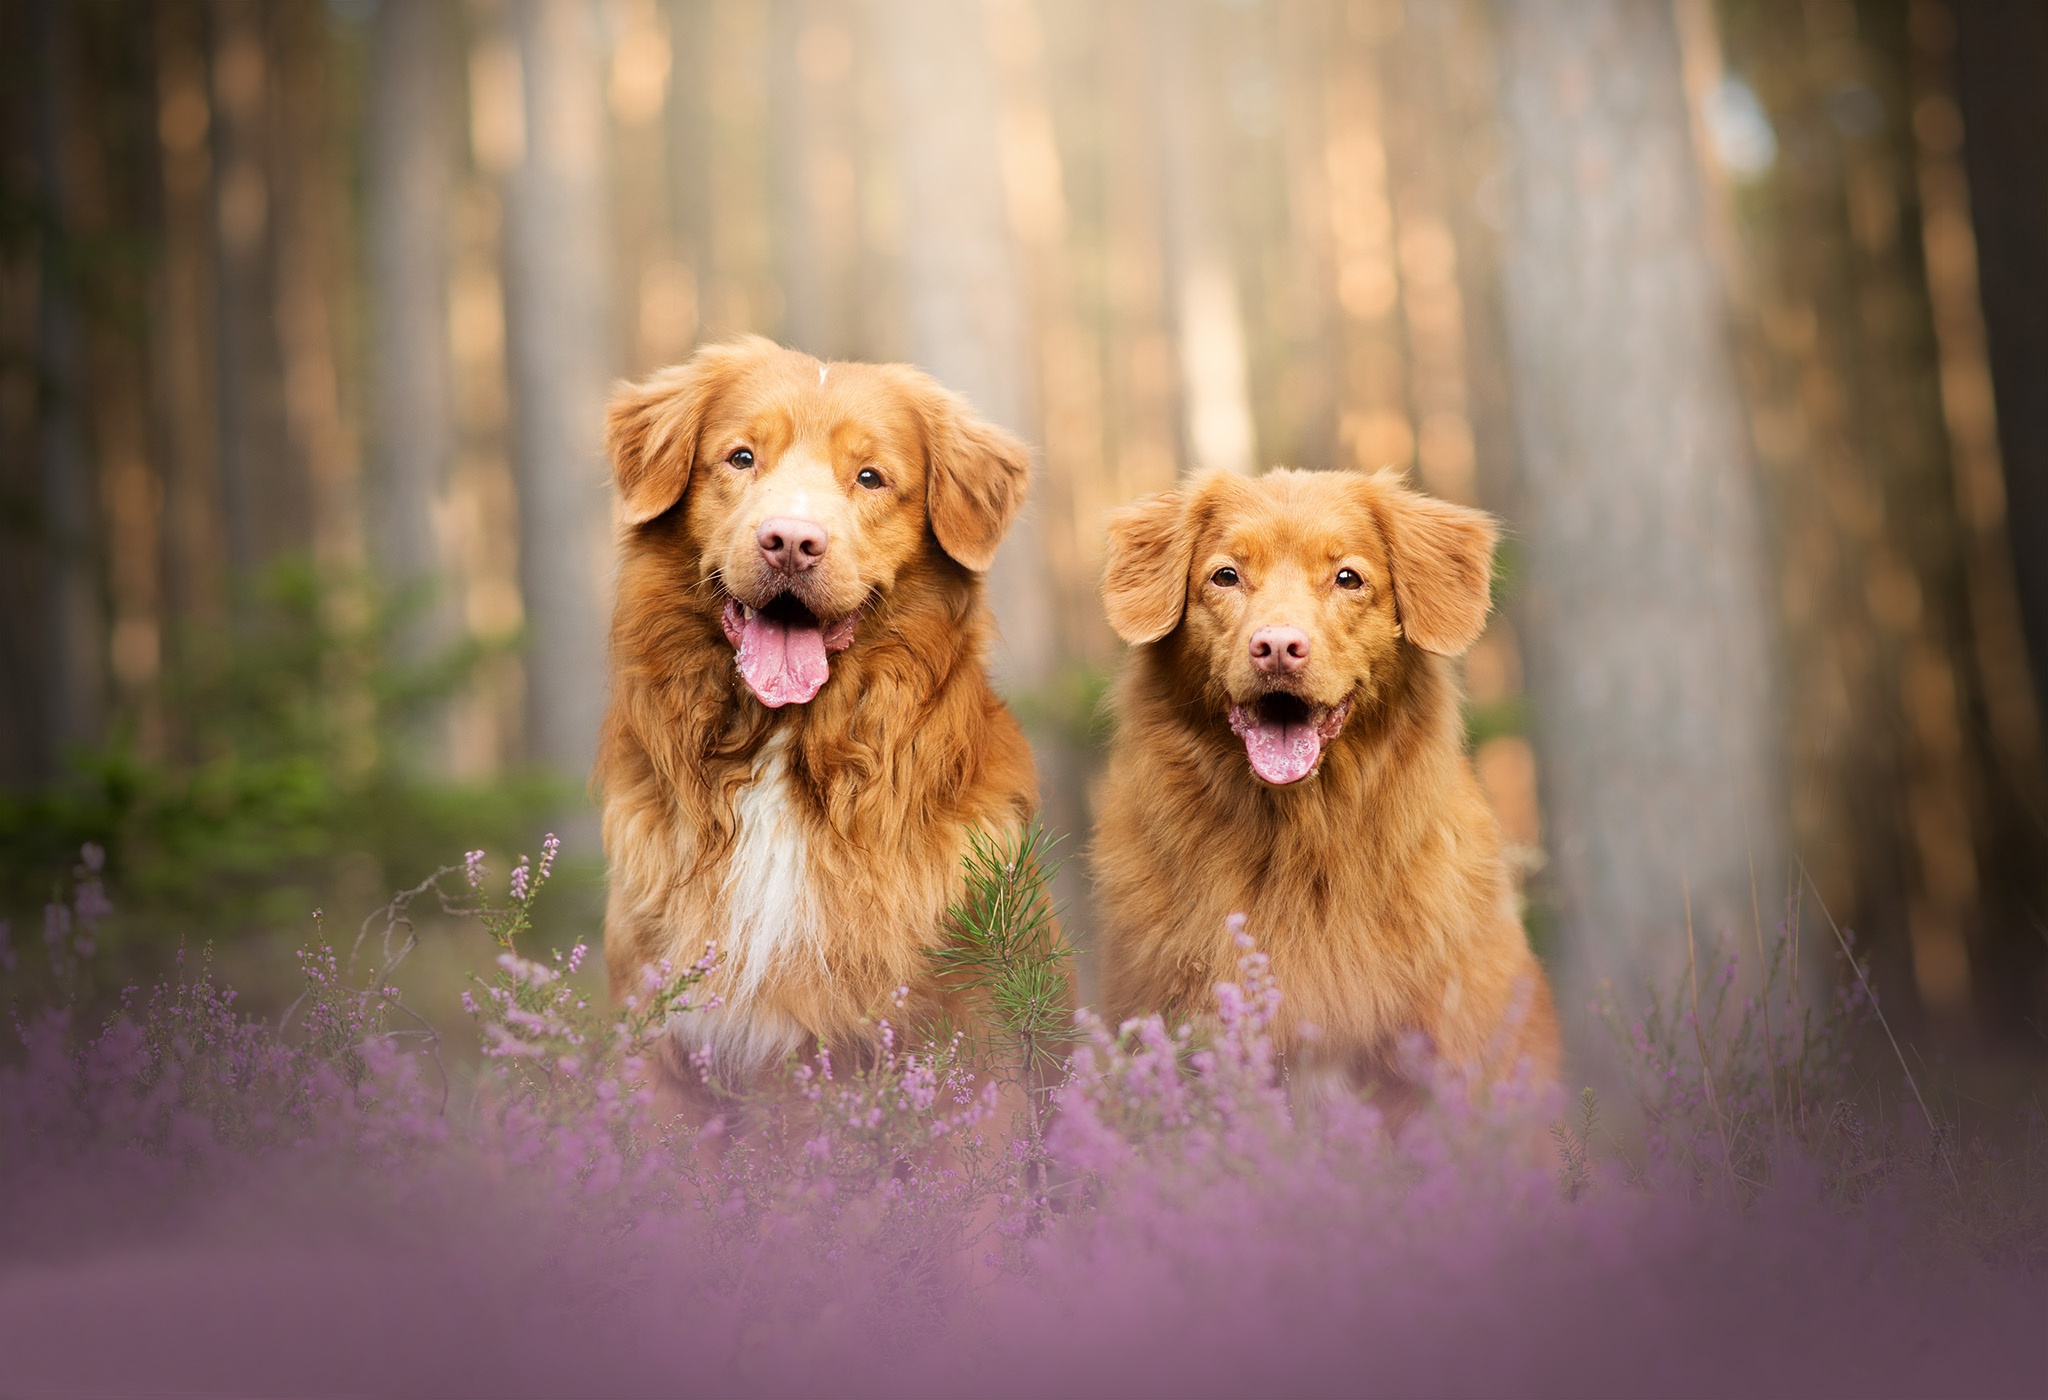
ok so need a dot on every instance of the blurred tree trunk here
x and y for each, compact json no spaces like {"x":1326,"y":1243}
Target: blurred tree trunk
{"x":1651,"y":652}
{"x":970,"y":315}
{"x":1067,"y":514}
{"x":1071,"y":500}
{"x":737,"y":76}
{"x":1374,"y":424}
{"x":1912,"y":747}
{"x":655,"y":293}
{"x":964,"y":282}
{"x":187,"y":401}
{"x":69,"y":706}
{"x":559,"y":340}
{"x":2002,"y":84}
{"x":1139,"y":378}
{"x":1311,"y":345}
{"x":686,"y":176}
{"x":1444,"y":63}
{"x":489,"y":728}
{"x":267,"y":510}
{"x":1421,"y":149}
{"x":820,"y":213}
{"x":321,"y":504}
{"x":1998,"y":748}
{"x":1847,"y":427}
{"x":23,"y":579}
{"x":117,"y":169}
{"x":411,"y":158}
{"x":1215,"y":386}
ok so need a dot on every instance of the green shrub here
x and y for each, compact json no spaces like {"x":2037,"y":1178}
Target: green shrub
{"x":291,"y":777}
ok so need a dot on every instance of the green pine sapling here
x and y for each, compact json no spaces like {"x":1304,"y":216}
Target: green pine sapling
{"x":1575,"y":1147}
{"x":1006,"y":945}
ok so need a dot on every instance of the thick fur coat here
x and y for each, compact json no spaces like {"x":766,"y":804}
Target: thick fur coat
{"x":801,"y":730}
{"x":1289,"y":744}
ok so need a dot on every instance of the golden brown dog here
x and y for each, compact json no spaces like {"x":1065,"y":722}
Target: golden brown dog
{"x":801,"y":731}
{"x":1289,"y":745}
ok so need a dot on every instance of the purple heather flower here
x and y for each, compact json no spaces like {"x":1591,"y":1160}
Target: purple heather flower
{"x":91,"y":904}
{"x":473,"y":869}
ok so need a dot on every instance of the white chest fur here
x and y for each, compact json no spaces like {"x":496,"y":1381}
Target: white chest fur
{"x":771,"y":910}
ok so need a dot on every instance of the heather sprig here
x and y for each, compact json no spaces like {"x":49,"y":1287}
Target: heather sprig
{"x":1717,"y":1089}
{"x":506,"y":922}
{"x":58,"y":966}
{"x":575,"y":1073}
{"x":1743,"y":1071}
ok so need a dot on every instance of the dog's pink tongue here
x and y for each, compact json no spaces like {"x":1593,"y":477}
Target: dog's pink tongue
{"x":1281,"y":752}
{"x":782,"y":664}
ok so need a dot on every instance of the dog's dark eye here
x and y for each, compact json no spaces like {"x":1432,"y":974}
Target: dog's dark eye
{"x":870,"y":478}
{"x":1224,"y":578}
{"x":1348,"y":578}
{"x":741,"y":458}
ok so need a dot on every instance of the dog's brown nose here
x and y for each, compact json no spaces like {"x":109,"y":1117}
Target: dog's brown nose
{"x":790,"y":545}
{"x":1279,"y":651}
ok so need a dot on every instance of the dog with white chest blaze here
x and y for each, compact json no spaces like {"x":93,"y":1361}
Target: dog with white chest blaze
{"x":802,"y":734}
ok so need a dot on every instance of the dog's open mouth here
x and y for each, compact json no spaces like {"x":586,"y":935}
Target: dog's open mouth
{"x":1284,"y":734}
{"x":783,"y":648}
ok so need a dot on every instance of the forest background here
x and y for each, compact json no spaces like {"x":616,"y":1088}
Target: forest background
{"x":1736,"y":311}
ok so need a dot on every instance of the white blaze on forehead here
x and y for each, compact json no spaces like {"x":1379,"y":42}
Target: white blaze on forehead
{"x":821,"y":375}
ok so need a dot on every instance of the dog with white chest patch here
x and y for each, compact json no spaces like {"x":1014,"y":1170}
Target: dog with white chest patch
{"x":801,"y":733}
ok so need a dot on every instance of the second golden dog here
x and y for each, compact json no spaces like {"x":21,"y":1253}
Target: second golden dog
{"x":1290,"y":745}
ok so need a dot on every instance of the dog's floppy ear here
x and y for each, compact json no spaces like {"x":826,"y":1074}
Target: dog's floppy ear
{"x":976,"y":476}
{"x":1442,"y":557}
{"x":1145,"y":581}
{"x":651,"y":427}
